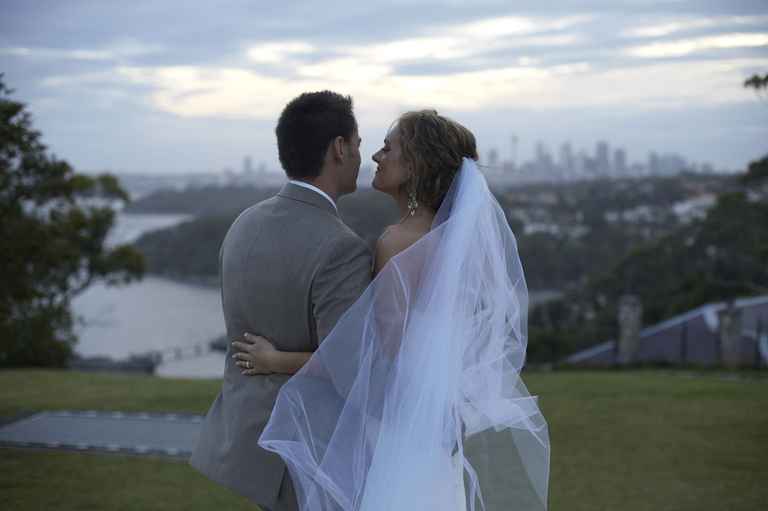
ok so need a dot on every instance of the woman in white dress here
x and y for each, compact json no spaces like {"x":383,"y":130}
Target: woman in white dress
{"x":414,"y":401}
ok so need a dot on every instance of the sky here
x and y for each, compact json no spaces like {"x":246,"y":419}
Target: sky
{"x":184,"y":86}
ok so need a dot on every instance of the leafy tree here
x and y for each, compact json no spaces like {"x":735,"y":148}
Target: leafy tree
{"x":719,"y":257}
{"x":53,"y":223}
{"x":757,"y":82}
{"x":187,"y":251}
{"x":722,"y":256}
{"x":757,"y":172}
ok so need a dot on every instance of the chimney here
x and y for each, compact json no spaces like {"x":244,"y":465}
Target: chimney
{"x":630,"y":323}
{"x":730,"y":336}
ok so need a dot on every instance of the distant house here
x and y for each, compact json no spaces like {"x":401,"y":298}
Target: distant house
{"x":694,"y":208}
{"x":693,"y":338}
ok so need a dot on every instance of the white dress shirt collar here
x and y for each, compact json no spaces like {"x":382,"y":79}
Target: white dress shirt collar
{"x":304,"y":184}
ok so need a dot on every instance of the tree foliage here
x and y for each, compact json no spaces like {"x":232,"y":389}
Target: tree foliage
{"x":720,"y":257}
{"x":188,"y":251}
{"x":757,"y":172}
{"x":757,"y":82}
{"x":53,"y":224}
{"x":723,"y":256}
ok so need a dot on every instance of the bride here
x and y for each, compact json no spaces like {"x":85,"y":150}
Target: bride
{"x":414,"y":401}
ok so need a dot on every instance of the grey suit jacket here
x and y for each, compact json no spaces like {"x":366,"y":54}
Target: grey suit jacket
{"x":289,"y":269}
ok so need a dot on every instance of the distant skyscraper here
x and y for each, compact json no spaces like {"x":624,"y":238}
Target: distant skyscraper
{"x":620,"y":162}
{"x":601,"y":157}
{"x":637,"y":169}
{"x":543,"y":158}
{"x":654,"y":168}
{"x":247,"y":165}
{"x":493,"y":158}
{"x":671,"y":164}
{"x":513,"y":148}
{"x":581,"y":163}
{"x":566,"y":157}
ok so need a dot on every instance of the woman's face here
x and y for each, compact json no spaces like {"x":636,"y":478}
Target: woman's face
{"x":391,"y":172}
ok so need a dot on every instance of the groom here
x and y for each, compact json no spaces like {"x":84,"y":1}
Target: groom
{"x":289,"y":269}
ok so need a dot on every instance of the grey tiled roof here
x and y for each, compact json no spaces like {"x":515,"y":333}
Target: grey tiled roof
{"x":689,"y":338}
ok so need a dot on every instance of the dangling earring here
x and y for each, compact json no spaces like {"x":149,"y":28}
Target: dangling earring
{"x":412,"y":202}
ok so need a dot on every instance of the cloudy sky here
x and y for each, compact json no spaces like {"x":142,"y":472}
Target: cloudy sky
{"x":181,"y":86}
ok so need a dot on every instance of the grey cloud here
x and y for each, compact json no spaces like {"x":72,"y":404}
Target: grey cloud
{"x":110,"y":111}
{"x":206,"y":36}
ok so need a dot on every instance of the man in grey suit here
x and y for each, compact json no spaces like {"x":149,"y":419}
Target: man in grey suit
{"x":289,"y":269}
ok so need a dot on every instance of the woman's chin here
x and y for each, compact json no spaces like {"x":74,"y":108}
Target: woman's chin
{"x":379,"y":185}
{"x":388,"y":191}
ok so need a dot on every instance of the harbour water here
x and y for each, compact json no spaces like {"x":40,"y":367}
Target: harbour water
{"x":152,"y":314}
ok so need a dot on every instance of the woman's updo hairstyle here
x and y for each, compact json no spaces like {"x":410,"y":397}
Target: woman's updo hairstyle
{"x":433,"y":147}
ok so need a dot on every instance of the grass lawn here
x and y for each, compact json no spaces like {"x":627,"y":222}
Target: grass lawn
{"x":621,"y":441}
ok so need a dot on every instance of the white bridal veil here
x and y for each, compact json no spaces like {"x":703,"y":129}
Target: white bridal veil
{"x":421,"y":376}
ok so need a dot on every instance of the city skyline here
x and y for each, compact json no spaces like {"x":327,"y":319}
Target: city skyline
{"x":569,"y":166}
{"x":607,"y":161}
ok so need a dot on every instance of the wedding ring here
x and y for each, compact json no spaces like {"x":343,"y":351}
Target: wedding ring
{"x":248,"y":364}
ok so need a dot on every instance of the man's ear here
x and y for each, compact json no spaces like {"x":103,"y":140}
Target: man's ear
{"x":338,"y":148}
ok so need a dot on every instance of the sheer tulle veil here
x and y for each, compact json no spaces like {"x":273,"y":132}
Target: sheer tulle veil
{"x":422,"y":373}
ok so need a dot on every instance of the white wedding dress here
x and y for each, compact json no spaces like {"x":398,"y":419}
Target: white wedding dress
{"x":448,"y":483}
{"x":414,"y":401}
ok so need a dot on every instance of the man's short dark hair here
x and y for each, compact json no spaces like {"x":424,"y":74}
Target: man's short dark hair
{"x":307,"y":126}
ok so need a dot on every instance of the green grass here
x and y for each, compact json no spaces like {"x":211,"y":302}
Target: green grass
{"x":621,"y":441}
{"x":652,"y":440}
{"x":73,"y":481}
{"x":30,"y":390}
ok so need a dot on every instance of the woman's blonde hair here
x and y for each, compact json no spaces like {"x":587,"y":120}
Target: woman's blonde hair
{"x":433,"y":147}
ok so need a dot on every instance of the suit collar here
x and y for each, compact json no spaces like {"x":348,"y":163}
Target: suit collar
{"x":308,"y":196}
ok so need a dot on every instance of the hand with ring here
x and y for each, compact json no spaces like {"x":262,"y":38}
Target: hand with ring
{"x":254,"y":354}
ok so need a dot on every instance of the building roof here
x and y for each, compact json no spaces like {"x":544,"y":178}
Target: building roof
{"x":704,"y":324}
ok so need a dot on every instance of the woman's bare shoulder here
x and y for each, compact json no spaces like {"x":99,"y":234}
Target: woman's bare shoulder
{"x":398,"y":237}
{"x":394,"y":240}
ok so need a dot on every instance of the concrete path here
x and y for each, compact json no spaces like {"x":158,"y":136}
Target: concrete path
{"x":165,"y":434}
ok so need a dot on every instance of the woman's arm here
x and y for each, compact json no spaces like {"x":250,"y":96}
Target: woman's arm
{"x":257,"y":355}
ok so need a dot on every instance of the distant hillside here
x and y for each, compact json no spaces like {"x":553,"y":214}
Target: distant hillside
{"x":565,"y":232}
{"x":675,"y":242}
{"x":190,"y":250}
{"x":201,"y":201}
